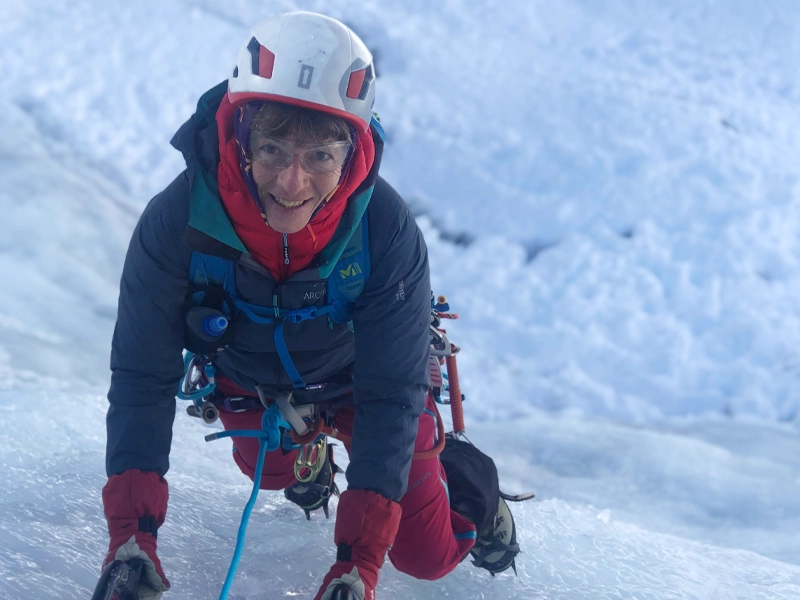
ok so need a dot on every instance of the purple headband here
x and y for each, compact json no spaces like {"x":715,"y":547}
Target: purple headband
{"x":242,"y":126}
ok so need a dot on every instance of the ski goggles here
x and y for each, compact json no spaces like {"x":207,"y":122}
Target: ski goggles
{"x":279,"y":154}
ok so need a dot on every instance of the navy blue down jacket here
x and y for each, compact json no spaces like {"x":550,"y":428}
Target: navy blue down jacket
{"x":386,"y":350}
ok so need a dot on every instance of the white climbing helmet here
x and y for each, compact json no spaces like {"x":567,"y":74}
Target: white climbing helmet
{"x":307,"y":59}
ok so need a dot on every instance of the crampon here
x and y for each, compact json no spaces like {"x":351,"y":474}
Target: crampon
{"x":120,"y":580}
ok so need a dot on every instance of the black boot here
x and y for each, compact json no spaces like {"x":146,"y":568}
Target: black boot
{"x":496,"y":546}
{"x":314,"y":494}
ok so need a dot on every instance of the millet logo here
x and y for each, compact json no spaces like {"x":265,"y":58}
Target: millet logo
{"x":401,"y":292}
{"x":352,"y":270}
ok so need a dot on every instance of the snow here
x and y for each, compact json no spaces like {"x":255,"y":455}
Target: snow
{"x":610,"y":193}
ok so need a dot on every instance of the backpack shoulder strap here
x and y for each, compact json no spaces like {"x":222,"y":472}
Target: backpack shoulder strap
{"x":211,"y":294}
{"x":205,"y":269}
{"x":349,"y":275}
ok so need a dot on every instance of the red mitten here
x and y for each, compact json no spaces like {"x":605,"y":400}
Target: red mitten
{"x":366,"y":525}
{"x":135,"y":504}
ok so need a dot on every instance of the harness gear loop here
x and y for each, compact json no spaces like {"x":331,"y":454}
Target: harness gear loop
{"x":320,"y":428}
{"x":316,"y":429}
{"x":283,"y":403}
{"x":436,"y":450}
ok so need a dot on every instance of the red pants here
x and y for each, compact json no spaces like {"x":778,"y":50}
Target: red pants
{"x":431,"y":540}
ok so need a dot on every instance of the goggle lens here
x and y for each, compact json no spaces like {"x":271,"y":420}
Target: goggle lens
{"x":279,"y":154}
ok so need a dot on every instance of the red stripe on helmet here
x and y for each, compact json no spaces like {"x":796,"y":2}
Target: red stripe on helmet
{"x":266,"y":62}
{"x":355,"y":83}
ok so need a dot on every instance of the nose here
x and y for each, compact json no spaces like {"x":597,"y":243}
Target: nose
{"x":293,"y":179}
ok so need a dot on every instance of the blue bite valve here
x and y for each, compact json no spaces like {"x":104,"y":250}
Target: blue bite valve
{"x":215,"y":325}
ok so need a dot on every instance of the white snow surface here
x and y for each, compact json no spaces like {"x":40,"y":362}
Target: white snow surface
{"x":610,"y":192}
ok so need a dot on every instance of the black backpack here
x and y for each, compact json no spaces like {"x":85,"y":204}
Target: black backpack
{"x":472,"y":481}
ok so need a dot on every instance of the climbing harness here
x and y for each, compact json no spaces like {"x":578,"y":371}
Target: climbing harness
{"x":302,"y":427}
{"x":305,"y":428}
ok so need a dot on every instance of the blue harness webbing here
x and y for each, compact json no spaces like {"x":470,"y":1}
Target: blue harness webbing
{"x":345,"y":282}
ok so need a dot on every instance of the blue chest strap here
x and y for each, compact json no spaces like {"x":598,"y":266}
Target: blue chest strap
{"x":345,"y":281}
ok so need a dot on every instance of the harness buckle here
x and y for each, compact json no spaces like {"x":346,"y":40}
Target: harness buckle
{"x":301,"y":314}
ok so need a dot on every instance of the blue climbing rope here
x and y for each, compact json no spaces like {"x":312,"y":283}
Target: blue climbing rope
{"x":269,"y":438}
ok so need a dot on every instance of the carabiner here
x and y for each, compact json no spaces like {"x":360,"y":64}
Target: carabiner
{"x":310,"y":459}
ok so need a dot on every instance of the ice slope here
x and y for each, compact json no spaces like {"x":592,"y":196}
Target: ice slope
{"x":609,"y":191}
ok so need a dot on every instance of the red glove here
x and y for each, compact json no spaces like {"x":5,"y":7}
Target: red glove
{"x":366,"y":525}
{"x":135,"y":504}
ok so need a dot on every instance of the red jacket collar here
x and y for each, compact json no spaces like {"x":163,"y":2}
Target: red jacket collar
{"x":264,"y":243}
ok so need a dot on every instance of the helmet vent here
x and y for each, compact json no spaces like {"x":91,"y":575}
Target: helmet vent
{"x":261,"y":59}
{"x":358,"y":86}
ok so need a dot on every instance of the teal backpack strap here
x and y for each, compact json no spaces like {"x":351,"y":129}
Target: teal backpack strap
{"x":214,"y":287}
{"x":209,"y":309}
{"x":205,"y":269}
{"x":375,"y":123}
{"x":214,"y":290}
{"x":349,"y":276}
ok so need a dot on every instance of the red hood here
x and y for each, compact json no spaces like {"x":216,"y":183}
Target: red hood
{"x":264,"y":243}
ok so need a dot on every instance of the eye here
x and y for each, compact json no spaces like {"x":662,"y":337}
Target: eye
{"x":321,"y":156}
{"x":269,"y":149}
{"x":268,"y":152}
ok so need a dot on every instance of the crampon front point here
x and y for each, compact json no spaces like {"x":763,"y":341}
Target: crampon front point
{"x":120,"y":580}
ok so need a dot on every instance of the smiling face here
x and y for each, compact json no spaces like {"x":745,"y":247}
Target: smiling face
{"x":290,"y":195}
{"x":297,"y":158}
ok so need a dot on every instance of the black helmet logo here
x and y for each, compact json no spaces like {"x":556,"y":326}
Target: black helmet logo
{"x":306,"y":72}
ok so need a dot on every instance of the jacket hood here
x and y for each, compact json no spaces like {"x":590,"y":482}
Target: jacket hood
{"x":197,"y":139}
{"x":210,"y":229}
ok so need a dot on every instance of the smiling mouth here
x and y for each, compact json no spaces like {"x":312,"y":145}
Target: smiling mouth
{"x":287,"y":203}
